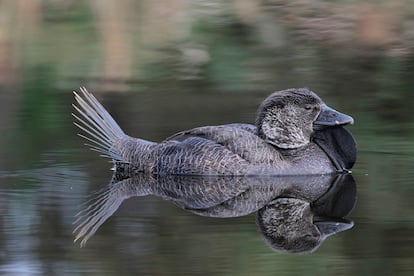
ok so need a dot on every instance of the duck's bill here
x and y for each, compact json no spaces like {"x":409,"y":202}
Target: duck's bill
{"x":329,"y":227}
{"x":330,"y":117}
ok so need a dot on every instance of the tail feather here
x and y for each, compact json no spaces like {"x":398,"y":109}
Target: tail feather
{"x":97,"y":124}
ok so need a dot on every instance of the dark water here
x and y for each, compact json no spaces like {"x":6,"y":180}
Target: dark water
{"x":205,"y":64}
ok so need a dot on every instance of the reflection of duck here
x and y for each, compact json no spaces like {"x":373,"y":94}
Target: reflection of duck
{"x":295,"y":133}
{"x":294,"y":213}
{"x":295,"y":225}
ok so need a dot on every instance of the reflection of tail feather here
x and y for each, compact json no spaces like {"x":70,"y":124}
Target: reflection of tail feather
{"x":100,"y":209}
{"x":95,"y":215}
{"x":104,"y":203}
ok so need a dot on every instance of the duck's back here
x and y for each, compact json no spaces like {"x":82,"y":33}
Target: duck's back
{"x":232,"y":149}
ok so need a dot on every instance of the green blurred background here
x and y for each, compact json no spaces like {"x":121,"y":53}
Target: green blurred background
{"x":167,"y":65}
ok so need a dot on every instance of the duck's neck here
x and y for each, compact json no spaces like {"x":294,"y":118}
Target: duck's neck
{"x":310,"y":158}
{"x":295,"y":152}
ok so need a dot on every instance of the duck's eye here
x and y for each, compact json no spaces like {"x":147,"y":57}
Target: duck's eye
{"x":308,"y":107}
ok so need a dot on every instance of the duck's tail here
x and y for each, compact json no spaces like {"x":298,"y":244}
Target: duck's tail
{"x":98,"y":125}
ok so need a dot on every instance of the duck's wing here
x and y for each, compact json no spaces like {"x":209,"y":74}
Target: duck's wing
{"x":212,"y":132}
{"x":240,"y":139}
{"x":197,"y":156}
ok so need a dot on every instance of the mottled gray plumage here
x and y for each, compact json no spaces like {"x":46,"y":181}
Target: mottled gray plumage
{"x":279,"y":144}
{"x":286,"y":206}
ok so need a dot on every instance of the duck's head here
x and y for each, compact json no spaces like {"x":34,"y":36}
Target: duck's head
{"x":288,"y":118}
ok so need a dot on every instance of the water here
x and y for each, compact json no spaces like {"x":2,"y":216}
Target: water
{"x":205,"y":64}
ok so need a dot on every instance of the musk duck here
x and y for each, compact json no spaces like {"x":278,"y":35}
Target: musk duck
{"x":295,"y":133}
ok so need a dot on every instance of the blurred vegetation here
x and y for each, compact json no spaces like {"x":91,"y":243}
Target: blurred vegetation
{"x":183,"y":63}
{"x":226,"y":42}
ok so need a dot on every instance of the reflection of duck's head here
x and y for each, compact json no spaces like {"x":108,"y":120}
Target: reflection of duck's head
{"x":288,"y":118}
{"x":288,"y":225}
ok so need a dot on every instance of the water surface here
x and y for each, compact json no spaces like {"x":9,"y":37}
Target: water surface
{"x":205,"y":64}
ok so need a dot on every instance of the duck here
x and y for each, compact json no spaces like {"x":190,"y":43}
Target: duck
{"x":295,"y":133}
